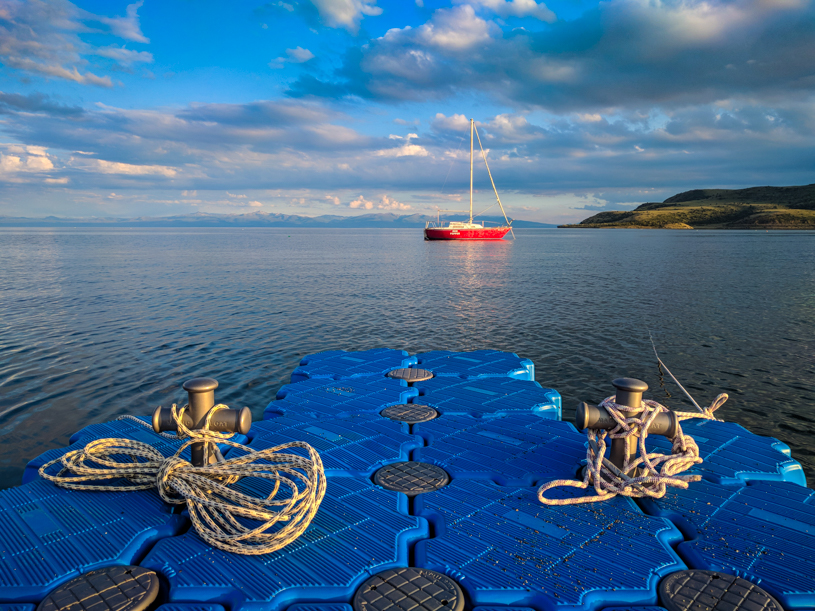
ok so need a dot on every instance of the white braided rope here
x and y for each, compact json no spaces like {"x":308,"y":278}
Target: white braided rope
{"x":655,"y":471}
{"x":214,"y":508}
{"x":148,"y":425}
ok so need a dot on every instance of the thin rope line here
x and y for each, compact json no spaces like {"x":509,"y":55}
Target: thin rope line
{"x":659,"y":360}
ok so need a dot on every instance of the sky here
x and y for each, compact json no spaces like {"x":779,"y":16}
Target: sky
{"x":312,"y":107}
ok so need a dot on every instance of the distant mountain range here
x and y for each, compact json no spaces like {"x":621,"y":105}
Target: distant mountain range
{"x":753,"y":208}
{"x":253,"y":219}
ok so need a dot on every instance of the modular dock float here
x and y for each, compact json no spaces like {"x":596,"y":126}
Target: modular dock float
{"x":431,"y":504}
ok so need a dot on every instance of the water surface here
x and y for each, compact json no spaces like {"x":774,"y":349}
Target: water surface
{"x":96,"y":323}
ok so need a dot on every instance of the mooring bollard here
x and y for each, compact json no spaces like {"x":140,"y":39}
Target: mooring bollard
{"x":629,"y":393}
{"x":201,"y":393}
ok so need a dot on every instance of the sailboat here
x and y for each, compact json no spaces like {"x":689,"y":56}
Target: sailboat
{"x":470,"y":230}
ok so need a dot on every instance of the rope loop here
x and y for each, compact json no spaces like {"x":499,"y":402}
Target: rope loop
{"x":249,"y":519}
{"x":653,"y":472}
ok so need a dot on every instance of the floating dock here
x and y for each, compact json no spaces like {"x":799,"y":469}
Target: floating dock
{"x":431,"y":503}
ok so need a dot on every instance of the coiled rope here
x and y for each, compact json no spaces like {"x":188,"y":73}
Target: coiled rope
{"x":215,"y":509}
{"x":655,"y":471}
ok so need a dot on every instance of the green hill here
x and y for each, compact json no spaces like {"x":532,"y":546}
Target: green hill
{"x":754,"y":208}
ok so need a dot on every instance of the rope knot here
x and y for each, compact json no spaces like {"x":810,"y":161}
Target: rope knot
{"x":651,"y":473}
{"x":171,"y":467}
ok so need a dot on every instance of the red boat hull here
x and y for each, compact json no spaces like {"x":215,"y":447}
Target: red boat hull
{"x":485,"y":233}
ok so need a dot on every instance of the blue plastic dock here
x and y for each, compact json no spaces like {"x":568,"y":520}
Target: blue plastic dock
{"x":359,"y":530}
{"x":505,"y":548}
{"x":320,"y":398}
{"x":484,"y":397}
{"x":349,"y":446}
{"x":498,"y":436}
{"x":50,"y":535}
{"x":342,"y":365}
{"x":516,"y":449}
{"x":763,"y":532}
{"x":735,"y":456}
{"x":477,"y":364}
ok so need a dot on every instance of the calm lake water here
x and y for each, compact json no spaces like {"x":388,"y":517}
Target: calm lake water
{"x":96,"y":323}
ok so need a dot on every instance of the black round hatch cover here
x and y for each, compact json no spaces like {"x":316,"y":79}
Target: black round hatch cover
{"x":411,"y":375}
{"x":698,"y":590}
{"x":409,"y":589}
{"x":411,"y":413}
{"x":411,"y":477}
{"x":114,"y":588}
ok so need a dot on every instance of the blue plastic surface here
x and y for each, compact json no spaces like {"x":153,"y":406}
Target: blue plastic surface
{"x":17,"y":607}
{"x":340,"y":365}
{"x":117,"y":429}
{"x":505,"y":548}
{"x":764,"y":532}
{"x":734,"y":456}
{"x":353,"y":445}
{"x":50,"y":535}
{"x":359,"y":530}
{"x":189,"y":607}
{"x":318,"y":399}
{"x":517,"y":449}
{"x":488,"y":396}
{"x":320,"y":607}
{"x":477,"y":364}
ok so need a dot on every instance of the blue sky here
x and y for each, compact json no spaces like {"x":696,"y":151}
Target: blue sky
{"x":345,"y":107}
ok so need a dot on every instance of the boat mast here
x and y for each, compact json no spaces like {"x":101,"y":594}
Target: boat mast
{"x":471,"y":170}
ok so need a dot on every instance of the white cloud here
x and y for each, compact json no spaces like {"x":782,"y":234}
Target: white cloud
{"x":385,"y":203}
{"x":298,"y":55}
{"x":346,"y":13}
{"x":362,"y":203}
{"x":124,"y":56}
{"x":29,"y":65}
{"x":388,"y":203}
{"x":333,"y":199}
{"x":126,"y":27}
{"x":457,"y":29}
{"x":24,"y":159}
{"x":255,"y":204}
{"x":455,"y":123}
{"x":514,"y":8}
{"x":42,"y":38}
{"x":114,"y":167}
{"x":406,"y":150}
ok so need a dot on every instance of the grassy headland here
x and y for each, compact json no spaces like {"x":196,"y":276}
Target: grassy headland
{"x":754,"y":208}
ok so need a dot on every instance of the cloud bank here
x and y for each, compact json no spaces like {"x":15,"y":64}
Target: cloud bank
{"x":625,"y":102}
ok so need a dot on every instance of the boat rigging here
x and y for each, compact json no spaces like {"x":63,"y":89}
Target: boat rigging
{"x":470,"y":230}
